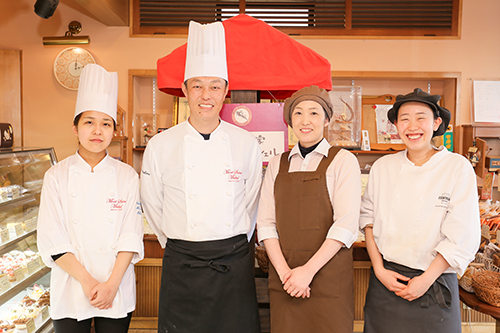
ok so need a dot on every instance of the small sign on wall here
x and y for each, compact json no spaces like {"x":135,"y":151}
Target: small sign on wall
{"x":265,"y":121}
{"x":485,"y":102}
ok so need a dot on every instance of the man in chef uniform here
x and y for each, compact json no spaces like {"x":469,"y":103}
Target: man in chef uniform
{"x":199,"y":187}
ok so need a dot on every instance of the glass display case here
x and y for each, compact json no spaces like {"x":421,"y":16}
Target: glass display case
{"x":24,"y":279}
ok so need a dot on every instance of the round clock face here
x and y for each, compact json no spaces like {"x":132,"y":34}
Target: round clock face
{"x":69,"y":64}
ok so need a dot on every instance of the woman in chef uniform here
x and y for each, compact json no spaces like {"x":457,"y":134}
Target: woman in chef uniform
{"x":421,"y":219}
{"x":308,"y":220}
{"x":90,"y":223}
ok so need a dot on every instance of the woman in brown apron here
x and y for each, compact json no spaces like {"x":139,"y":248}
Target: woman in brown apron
{"x":308,"y":219}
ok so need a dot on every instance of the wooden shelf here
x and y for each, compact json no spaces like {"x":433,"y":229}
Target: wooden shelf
{"x":374,"y":152}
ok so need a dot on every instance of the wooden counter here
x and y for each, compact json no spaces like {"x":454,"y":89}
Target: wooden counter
{"x":474,"y":303}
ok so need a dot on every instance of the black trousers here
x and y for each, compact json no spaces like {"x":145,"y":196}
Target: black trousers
{"x":102,"y":325}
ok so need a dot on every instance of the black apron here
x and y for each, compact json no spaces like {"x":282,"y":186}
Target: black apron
{"x":208,"y":287}
{"x":437,"y":311}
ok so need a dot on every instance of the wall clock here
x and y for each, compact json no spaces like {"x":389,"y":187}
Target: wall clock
{"x":69,"y":64}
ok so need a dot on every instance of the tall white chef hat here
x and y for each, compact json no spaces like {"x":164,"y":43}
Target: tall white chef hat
{"x":206,"y":51}
{"x":98,"y":91}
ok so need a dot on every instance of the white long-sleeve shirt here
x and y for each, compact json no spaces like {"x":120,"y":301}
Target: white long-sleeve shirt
{"x":344,"y":188}
{"x":200,"y":190}
{"x":94,"y":215}
{"x":419,"y":211}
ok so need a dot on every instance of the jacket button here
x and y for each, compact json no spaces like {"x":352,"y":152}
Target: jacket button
{"x":78,"y":248}
{"x":111,"y":194}
{"x":113,"y":246}
{"x":227,"y":164}
{"x":191,"y":196}
{"x":111,"y":221}
{"x":111,"y":172}
{"x":229,"y":194}
{"x":190,"y":167}
{"x":74,"y":194}
{"x":228,"y":224}
{"x":75,"y":221}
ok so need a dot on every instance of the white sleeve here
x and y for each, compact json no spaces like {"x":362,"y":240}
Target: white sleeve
{"x":266,"y":217}
{"x":461,"y":227}
{"x":345,"y":174}
{"x":367,"y":215}
{"x":152,"y":193}
{"x":52,"y":233}
{"x":131,"y":232}
{"x":252,"y":186}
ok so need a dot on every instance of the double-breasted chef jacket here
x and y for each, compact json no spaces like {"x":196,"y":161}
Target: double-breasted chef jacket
{"x":419,"y":211}
{"x":93,"y":215}
{"x":201,"y":190}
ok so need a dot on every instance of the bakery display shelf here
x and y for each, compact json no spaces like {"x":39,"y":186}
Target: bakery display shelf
{"x":18,"y":286}
{"x":13,"y":203}
{"x":11,"y":244}
{"x":13,"y":308}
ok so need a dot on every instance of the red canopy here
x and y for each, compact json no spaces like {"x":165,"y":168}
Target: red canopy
{"x":259,"y":57}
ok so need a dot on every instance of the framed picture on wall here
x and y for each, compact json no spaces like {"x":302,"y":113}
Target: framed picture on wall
{"x":382,"y":133}
{"x":180,"y":110}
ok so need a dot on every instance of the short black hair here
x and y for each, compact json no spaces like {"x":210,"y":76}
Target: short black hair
{"x":77,"y":120}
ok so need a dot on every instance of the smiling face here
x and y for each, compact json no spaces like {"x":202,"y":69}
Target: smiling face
{"x":416,"y":125}
{"x":94,"y":131}
{"x":205,"y":97}
{"x":308,"y":122}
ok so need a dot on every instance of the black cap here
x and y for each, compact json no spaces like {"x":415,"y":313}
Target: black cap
{"x":422,"y":97}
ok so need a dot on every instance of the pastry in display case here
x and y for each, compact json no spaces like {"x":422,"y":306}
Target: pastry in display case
{"x":24,"y":278}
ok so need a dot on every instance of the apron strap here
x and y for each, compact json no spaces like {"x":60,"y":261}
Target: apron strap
{"x":284,"y":162}
{"x":327,"y":160}
{"x":323,"y":165}
{"x":218,"y":266}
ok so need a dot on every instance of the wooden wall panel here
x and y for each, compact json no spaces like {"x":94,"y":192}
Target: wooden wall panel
{"x":148,"y":277}
{"x":361,"y":278}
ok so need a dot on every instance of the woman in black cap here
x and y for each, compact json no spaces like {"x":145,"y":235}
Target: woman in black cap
{"x":421,"y":220}
{"x":308,"y":219}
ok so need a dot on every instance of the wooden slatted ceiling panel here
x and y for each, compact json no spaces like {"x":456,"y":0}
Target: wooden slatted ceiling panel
{"x":302,"y":17}
{"x":328,"y":14}
{"x":402,"y":14}
{"x":167,"y":13}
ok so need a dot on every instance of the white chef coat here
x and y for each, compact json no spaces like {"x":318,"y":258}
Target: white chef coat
{"x":344,"y":189}
{"x":93,"y":215}
{"x":200,"y":190}
{"x":419,"y":211}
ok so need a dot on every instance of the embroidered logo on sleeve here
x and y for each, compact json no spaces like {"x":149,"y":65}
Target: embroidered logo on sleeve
{"x":116,"y":205}
{"x":233,"y":176}
{"x":443,"y":200}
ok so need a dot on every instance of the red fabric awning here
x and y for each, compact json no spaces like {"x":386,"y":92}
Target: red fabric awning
{"x":259,"y":57}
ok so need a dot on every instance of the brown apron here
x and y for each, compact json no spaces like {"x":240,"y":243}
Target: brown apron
{"x":304,"y":215}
